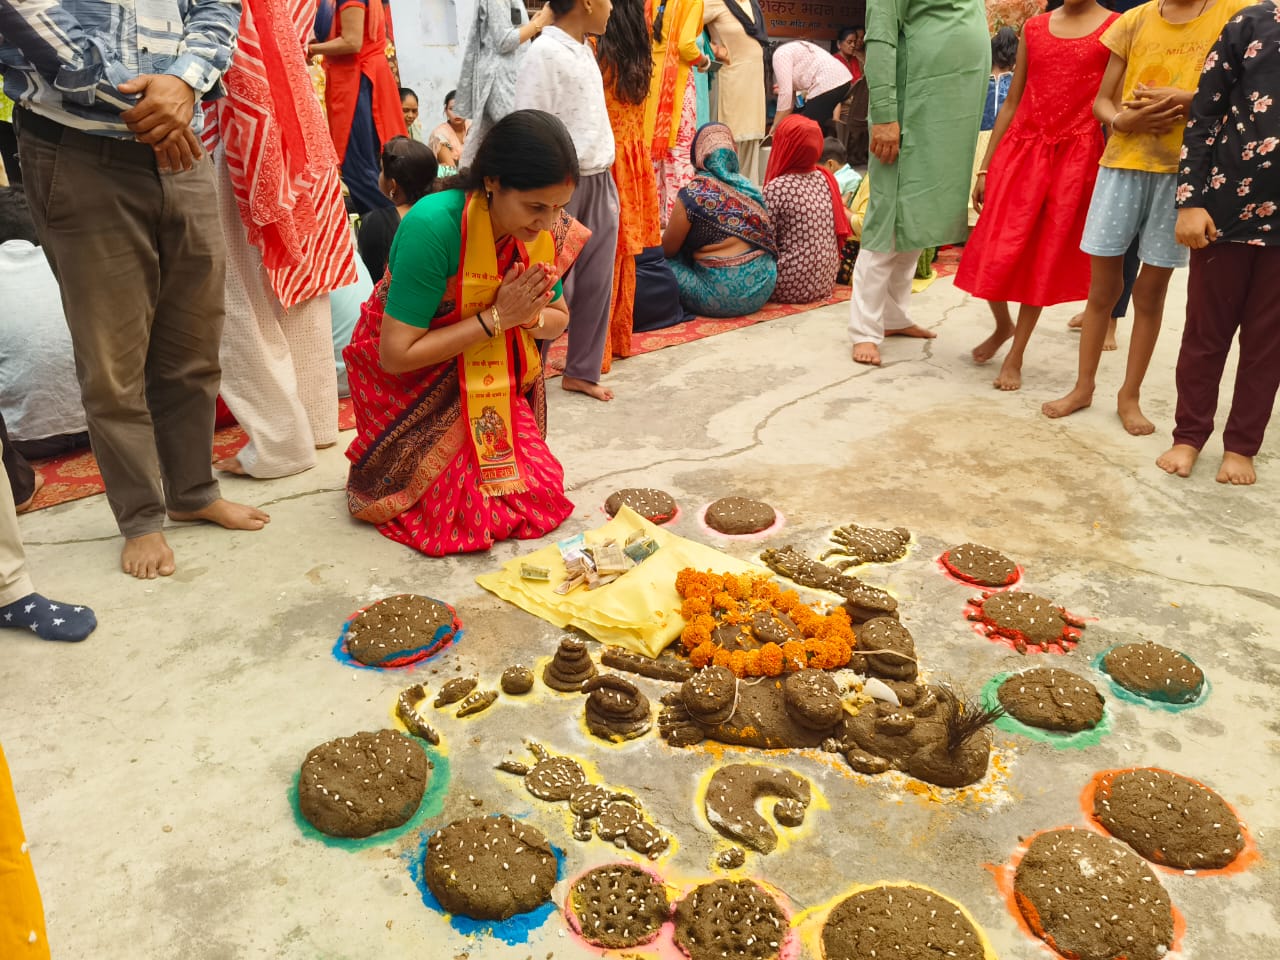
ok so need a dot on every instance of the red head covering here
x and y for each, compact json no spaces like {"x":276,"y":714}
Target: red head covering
{"x":797,"y":148}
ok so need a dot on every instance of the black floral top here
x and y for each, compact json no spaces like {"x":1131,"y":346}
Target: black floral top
{"x":1232,"y":143}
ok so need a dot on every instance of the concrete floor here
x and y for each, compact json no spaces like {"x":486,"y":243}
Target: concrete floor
{"x":153,"y":762}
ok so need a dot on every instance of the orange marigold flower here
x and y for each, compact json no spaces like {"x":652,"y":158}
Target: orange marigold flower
{"x":722,"y":657}
{"x":723,"y":601}
{"x":794,"y":652}
{"x":705,"y":621}
{"x":738,"y":663}
{"x":771,"y":660}
{"x":694,"y":635}
{"x":787,"y":601}
{"x":703,"y":654}
{"x":754,"y":658}
{"x":737,"y":587}
{"x":694,"y":606}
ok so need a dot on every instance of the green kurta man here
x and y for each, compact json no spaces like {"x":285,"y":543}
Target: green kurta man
{"x":927,"y":67}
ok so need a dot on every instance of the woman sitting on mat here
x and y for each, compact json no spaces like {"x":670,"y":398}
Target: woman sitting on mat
{"x":809,"y":218}
{"x":444,"y":368}
{"x":719,"y":240}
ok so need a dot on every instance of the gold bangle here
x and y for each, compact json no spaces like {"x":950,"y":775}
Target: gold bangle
{"x":497,"y":320}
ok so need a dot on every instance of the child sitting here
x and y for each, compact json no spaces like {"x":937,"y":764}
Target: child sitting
{"x":1228,"y":188}
{"x":836,"y":160}
{"x":1134,"y":192}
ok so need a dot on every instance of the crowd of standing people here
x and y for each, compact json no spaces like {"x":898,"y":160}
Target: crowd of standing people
{"x":599,"y":163}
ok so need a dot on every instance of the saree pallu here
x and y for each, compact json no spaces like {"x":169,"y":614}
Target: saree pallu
{"x":724,"y":287}
{"x":414,"y":472}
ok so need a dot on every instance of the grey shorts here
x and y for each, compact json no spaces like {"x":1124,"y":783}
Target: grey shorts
{"x":1134,"y":203}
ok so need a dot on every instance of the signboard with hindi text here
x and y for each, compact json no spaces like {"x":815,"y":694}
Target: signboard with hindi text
{"x":809,"y":19}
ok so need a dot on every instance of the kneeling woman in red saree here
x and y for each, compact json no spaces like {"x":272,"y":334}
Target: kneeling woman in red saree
{"x":444,"y":365}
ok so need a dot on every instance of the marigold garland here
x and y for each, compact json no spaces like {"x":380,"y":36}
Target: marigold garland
{"x":710,"y":599}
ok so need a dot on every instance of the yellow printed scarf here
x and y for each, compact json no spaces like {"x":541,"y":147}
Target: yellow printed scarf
{"x":487,"y":370}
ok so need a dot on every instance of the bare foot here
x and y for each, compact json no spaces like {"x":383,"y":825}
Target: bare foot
{"x":1075,"y":400}
{"x":1236,"y":470}
{"x":230,"y":465}
{"x":574,"y":385}
{"x":915,"y":330}
{"x":1010,"y":376}
{"x":1178,"y":459}
{"x":147,"y":557}
{"x":38,"y":485}
{"x":1109,"y":342}
{"x":1132,"y":418}
{"x":233,"y":516}
{"x":868,"y":353}
{"x":988,"y":347}
{"x":1076,"y":322}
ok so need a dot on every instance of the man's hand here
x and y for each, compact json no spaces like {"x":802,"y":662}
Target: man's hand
{"x":178,"y":154}
{"x":885,"y":140}
{"x":164,"y":110}
{"x":1195,"y":228}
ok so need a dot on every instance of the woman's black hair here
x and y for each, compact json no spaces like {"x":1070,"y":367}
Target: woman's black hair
{"x":449,"y":98}
{"x":660,"y":16}
{"x":625,"y":53}
{"x":525,"y":150}
{"x":406,"y":93}
{"x":1004,"y":48}
{"x":845,"y":31}
{"x":411,"y":165}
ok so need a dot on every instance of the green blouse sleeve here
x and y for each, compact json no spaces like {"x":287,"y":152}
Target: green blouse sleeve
{"x":424,"y":258}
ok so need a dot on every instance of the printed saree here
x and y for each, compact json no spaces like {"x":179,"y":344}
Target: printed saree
{"x":433,"y":470}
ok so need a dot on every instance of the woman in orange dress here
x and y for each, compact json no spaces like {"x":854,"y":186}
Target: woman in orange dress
{"x":671,"y":113}
{"x":361,"y":97}
{"x":626,"y":66}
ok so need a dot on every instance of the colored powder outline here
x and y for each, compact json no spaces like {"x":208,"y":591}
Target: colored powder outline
{"x":1003,"y":874}
{"x":431,"y":805}
{"x":512,"y":931}
{"x":1019,"y":573}
{"x":1128,"y":696}
{"x":1056,"y":739}
{"x":785,"y":835}
{"x":442,"y":640}
{"x":811,"y":921}
{"x":779,"y":521}
{"x":1248,"y":856}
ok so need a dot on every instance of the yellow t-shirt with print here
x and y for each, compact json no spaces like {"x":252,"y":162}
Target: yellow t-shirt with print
{"x":1160,"y":54}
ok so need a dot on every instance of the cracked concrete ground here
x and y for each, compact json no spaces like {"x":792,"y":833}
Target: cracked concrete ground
{"x":153,"y":762}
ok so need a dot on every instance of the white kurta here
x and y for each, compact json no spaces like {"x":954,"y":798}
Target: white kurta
{"x":278,"y":374}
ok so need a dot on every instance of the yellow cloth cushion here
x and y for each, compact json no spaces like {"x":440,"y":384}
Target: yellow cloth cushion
{"x":640,"y":610}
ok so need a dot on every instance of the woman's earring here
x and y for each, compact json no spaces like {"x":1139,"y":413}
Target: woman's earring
{"x":488,"y":196}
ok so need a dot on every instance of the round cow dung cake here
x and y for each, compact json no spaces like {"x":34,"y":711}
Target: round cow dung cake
{"x":1168,"y":819}
{"x":730,"y":918}
{"x":517,"y":680}
{"x":974,"y":563}
{"x":1154,"y":672}
{"x":1092,"y":898}
{"x":618,"y":905}
{"x":1026,"y":615}
{"x":1052,"y":699}
{"x":738,"y":515}
{"x":655,"y":506}
{"x":901,"y":922}
{"x":357,"y":786}
{"x":399,"y":630}
{"x":489,"y":868}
